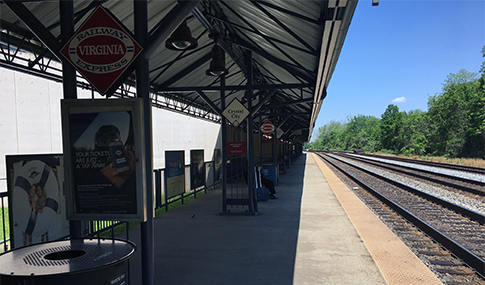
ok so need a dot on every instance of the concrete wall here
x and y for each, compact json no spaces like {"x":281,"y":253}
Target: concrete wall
{"x":30,"y":123}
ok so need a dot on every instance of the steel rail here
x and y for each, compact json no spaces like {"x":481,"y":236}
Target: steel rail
{"x":446,"y":183}
{"x":452,"y":206}
{"x":477,"y":170}
{"x":473,"y":260}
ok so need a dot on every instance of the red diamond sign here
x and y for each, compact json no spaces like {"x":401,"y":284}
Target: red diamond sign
{"x":267,"y":128}
{"x":101,"y":50}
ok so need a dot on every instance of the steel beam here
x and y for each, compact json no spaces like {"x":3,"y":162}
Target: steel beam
{"x":167,"y":25}
{"x":262,"y":102}
{"x":253,"y":204}
{"x":140,"y":16}
{"x":35,"y":26}
{"x":209,"y":102}
{"x":238,"y":87}
{"x":283,"y":64}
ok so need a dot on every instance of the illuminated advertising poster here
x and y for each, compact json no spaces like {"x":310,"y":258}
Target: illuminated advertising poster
{"x":104,"y":167}
{"x":174,"y":173}
{"x":197,"y":169}
{"x":36,"y":199}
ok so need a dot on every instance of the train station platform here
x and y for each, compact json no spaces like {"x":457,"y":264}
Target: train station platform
{"x":317,"y":232}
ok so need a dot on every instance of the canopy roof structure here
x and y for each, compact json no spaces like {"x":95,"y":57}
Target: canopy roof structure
{"x":283,"y":51}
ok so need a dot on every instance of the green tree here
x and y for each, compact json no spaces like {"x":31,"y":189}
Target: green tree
{"x":476,"y":141}
{"x":330,"y":137}
{"x":390,"y":125}
{"x":456,"y":116}
{"x":414,"y":132}
{"x":373,"y":132}
{"x":362,"y":132}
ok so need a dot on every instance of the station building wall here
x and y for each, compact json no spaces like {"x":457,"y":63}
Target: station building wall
{"x":30,"y":123}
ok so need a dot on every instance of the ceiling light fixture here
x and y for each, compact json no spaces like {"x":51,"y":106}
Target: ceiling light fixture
{"x":218,"y":63}
{"x":181,"y":38}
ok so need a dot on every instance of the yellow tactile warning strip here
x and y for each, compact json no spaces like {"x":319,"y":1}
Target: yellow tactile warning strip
{"x":395,"y":260}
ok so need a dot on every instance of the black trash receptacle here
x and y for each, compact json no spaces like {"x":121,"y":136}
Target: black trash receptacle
{"x":71,"y":262}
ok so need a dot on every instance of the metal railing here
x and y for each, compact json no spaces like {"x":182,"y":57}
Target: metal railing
{"x":110,"y":229}
{"x":5,"y":227}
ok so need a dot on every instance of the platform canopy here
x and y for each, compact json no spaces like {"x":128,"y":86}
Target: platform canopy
{"x":284,"y":51}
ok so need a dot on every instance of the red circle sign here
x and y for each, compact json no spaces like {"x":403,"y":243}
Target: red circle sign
{"x":267,"y":128}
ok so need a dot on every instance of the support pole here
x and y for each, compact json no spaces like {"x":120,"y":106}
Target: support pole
{"x":143,"y":91}
{"x":260,"y":140}
{"x":275,"y":145}
{"x":66,"y":12}
{"x":223,"y":146}
{"x":253,"y":204}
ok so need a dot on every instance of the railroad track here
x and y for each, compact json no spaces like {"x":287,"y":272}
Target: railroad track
{"x":458,"y":230}
{"x":470,"y":169}
{"x":467,"y":185}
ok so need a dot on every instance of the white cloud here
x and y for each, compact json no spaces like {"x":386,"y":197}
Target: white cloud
{"x":399,"y":100}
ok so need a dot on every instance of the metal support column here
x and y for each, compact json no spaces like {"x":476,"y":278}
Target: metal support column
{"x":284,"y":156}
{"x":260,"y":141}
{"x":143,"y":91}
{"x":253,"y":204}
{"x":66,"y":12}
{"x":275,"y":145}
{"x":223,"y":145}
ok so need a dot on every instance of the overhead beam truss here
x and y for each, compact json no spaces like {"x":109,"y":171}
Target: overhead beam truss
{"x":45,"y":48}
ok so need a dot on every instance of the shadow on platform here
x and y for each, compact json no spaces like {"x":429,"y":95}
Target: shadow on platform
{"x":196,"y":245}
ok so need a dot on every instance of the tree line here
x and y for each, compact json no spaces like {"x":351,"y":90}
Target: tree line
{"x":453,"y":126}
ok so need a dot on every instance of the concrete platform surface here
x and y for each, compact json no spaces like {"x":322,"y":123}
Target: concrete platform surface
{"x":304,"y":237}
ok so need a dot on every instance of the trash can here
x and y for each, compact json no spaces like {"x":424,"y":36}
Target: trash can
{"x":270,"y":171}
{"x":72,"y":262}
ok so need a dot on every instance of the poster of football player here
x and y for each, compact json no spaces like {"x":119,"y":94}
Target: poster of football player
{"x":36,"y":199}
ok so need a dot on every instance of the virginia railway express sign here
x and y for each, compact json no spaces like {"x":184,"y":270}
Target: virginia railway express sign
{"x":101,"y":50}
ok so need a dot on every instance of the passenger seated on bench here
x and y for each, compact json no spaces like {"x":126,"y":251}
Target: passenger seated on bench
{"x":268,"y":183}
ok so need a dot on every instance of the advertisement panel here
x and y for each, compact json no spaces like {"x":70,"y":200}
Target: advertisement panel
{"x":104,"y":159}
{"x":174,"y":173}
{"x":36,"y":199}
{"x":218,"y":164}
{"x":197,"y":169}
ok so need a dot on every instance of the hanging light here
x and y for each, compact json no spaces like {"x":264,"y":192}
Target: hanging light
{"x":218,"y":63}
{"x":181,"y":38}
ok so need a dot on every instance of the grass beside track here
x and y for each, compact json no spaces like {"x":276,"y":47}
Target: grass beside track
{"x":474,"y":162}
{"x":4,"y":235}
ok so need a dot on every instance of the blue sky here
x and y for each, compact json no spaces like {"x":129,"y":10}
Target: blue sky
{"x":401,"y":52}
